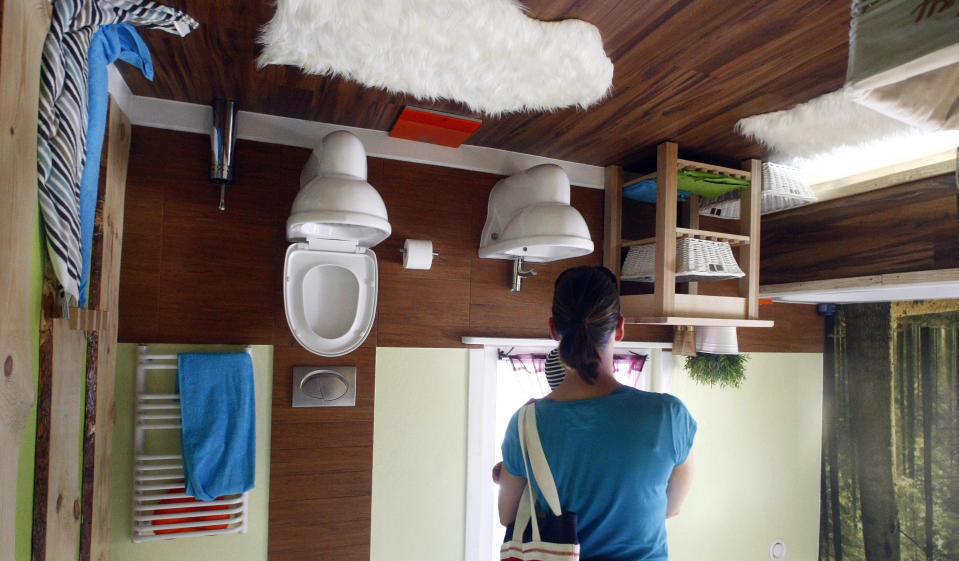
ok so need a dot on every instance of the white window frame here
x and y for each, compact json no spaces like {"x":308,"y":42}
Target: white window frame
{"x":481,"y":440}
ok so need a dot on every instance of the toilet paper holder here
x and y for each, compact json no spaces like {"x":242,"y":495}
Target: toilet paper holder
{"x":403,"y":251}
{"x":418,"y":254}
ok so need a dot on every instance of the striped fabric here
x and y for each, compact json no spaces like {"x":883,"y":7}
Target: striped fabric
{"x":61,"y":142}
{"x":554,"y":370}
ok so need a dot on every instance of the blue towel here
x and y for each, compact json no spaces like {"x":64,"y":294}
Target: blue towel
{"x":219,"y":423}
{"x":645,"y":191}
{"x":110,"y":42}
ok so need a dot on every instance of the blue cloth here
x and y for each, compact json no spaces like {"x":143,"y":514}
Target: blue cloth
{"x":611,"y":458}
{"x":645,"y":191}
{"x":110,"y":42}
{"x":218,"y":408}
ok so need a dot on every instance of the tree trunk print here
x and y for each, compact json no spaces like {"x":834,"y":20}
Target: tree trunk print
{"x":928,"y":394}
{"x":831,"y":513}
{"x":900,"y":399}
{"x":891,"y":448}
{"x":955,"y":379}
{"x":910,"y":398}
{"x":870,"y":371}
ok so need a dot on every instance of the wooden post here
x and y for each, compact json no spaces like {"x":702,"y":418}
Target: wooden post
{"x":692,"y":222}
{"x":749,"y":212}
{"x":684,"y":340}
{"x":664,"y":290}
{"x":102,"y":344}
{"x":24,"y":28}
{"x":613,"y":218}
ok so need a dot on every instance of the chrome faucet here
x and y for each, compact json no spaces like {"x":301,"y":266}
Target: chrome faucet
{"x":519,"y":274}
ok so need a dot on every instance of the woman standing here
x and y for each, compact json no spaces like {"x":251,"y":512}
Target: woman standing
{"x":621,"y":457}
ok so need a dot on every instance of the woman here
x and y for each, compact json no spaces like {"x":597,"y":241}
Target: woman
{"x":620,"y":457}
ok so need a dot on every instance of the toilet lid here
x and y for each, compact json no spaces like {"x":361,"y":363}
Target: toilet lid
{"x":330,"y":297}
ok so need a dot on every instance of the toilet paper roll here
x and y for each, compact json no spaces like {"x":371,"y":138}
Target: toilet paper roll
{"x":417,"y":254}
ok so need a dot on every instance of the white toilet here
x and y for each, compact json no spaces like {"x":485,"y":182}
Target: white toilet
{"x":330,"y":273}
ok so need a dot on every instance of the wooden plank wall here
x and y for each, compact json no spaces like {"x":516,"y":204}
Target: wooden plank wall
{"x":908,"y":227}
{"x":100,"y":408}
{"x":72,"y":489}
{"x":194,"y":275}
{"x":25,"y":24}
{"x":56,"y":511}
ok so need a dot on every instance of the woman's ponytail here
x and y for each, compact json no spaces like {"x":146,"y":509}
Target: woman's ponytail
{"x":577,"y":352}
{"x":585,"y":313}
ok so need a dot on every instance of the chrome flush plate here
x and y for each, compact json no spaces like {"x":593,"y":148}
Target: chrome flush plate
{"x":324,"y":386}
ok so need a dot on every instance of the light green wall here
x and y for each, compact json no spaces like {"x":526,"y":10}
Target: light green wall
{"x":419,"y":454}
{"x":233,"y":547}
{"x":757,"y":456}
{"x":25,"y":467}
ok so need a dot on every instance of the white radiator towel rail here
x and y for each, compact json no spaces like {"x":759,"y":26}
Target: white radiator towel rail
{"x":158,"y":474}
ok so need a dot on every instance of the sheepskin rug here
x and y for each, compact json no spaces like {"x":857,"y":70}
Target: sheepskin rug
{"x":831,"y":137}
{"x":486,"y":54}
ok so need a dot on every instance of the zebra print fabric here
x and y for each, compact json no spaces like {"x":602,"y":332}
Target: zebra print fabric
{"x":61,"y":134}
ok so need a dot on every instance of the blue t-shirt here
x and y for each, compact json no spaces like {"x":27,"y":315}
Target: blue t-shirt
{"x":611,"y":458}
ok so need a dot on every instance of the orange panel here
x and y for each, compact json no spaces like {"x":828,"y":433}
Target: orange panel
{"x":434,"y":127}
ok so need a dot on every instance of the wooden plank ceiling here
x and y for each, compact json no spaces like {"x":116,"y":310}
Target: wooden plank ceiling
{"x":685,"y":70}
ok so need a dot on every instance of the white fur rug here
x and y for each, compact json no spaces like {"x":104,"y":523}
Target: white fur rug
{"x":831,"y":137}
{"x":486,"y":54}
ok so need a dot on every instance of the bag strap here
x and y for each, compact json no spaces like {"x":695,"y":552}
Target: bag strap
{"x":537,"y":458}
{"x":526,"y":510}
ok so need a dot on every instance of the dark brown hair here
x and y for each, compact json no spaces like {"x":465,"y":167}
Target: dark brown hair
{"x":585,"y":314}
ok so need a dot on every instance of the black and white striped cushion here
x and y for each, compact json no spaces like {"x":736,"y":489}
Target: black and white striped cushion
{"x":62,"y":129}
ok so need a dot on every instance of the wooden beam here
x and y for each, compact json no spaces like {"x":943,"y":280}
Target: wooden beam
{"x":667,"y":155}
{"x":102,"y":344}
{"x":914,"y":170}
{"x":914,"y":278}
{"x":25,"y":24}
{"x":749,"y":212}
{"x":56,"y":498}
{"x":613,"y":218}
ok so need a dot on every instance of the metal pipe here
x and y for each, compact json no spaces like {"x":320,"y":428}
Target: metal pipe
{"x":222,"y":143}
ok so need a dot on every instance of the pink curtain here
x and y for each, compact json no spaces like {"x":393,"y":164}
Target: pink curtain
{"x":627,"y":367}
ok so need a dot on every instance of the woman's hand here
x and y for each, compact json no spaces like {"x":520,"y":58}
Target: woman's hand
{"x":497,"y":469}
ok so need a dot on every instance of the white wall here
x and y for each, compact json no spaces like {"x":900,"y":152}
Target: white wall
{"x":233,"y":547}
{"x":757,"y":455}
{"x":419,"y":454}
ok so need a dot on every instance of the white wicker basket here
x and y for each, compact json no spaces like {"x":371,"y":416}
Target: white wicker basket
{"x":783,"y":188}
{"x":696,"y":260}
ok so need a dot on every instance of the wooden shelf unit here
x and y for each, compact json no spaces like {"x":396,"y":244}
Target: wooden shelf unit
{"x":665,"y":306}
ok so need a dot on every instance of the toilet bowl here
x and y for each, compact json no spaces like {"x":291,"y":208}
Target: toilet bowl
{"x":330,"y":274}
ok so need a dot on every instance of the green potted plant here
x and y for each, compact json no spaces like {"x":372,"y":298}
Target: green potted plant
{"x":728,"y":371}
{"x":717,"y":360}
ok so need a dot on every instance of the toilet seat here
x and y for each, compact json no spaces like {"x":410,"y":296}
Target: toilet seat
{"x":329,"y":293}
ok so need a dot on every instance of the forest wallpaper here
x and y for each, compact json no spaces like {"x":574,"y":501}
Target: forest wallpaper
{"x":890,"y":469}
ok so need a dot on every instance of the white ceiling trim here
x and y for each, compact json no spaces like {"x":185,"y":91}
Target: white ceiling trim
{"x":195,"y":118}
{"x":891,"y":287}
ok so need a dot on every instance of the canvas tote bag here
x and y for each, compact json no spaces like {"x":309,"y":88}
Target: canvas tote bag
{"x":552,"y":535}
